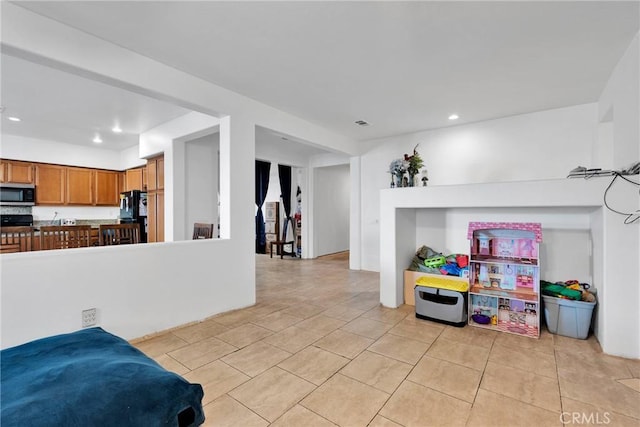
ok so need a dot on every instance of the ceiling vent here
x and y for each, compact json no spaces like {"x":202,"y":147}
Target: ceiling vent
{"x":361,"y":123}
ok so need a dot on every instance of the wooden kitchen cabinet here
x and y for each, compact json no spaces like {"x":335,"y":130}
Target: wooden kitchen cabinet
{"x":107,"y":189}
{"x":65,"y":185}
{"x":17,"y":172}
{"x":155,"y":199}
{"x":155,"y":216}
{"x":160,"y":173}
{"x":152,"y":175}
{"x":145,"y":180}
{"x":122,"y":181}
{"x":50,"y":184}
{"x":152,"y":203}
{"x":134,"y":179}
{"x":155,"y":173}
{"x":80,"y":188}
{"x":160,"y":217}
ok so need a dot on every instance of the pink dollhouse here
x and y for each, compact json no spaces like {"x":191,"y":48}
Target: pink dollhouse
{"x":504,"y":276}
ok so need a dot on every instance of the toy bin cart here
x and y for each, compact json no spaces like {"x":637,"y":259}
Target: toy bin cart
{"x":442,"y":299}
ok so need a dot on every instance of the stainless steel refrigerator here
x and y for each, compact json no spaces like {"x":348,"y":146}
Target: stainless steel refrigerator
{"x":133,"y":208}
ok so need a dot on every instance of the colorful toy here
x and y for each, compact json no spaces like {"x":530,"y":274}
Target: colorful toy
{"x":571,"y":289}
{"x":451,"y":269}
{"x":435,"y":262}
{"x":462,"y":260}
{"x":559,"y":291}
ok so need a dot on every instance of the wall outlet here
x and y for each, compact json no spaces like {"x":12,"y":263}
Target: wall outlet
{"x":89,"y":317}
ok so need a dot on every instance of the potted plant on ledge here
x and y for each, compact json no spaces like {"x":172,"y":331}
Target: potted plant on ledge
{"x":415,"y":163}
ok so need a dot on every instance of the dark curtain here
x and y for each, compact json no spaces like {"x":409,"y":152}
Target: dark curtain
{"x":284,"y":173}
{"x":262,"y":185}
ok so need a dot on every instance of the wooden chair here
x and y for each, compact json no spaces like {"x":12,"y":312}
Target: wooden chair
{"x":119,"y":234}
{"x":280,"y":244}
{"x":65,"y":236}
{"x":202,"y":231}
{"x":16,"y":239}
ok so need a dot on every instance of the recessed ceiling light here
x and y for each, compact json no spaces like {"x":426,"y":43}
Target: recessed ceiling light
{"x":97,"y":139}
{"x":14,"y":119}
{"x":116,"y":129}
{"x":454,"y":117}
{"x":361,"y":123}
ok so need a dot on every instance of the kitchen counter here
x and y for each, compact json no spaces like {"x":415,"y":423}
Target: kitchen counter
{"x":94,"y":223}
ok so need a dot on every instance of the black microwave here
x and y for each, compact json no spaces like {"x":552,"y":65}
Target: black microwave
{"x":17,"y":194}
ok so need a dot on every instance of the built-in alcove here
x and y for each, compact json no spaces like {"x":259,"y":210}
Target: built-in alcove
{"x":581,"y":239}
{"x":565,"y":252}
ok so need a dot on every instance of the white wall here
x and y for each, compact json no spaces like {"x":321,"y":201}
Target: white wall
{"x":619,"y":107}
{"x":171,"y":283}
{"x":541,"y":145}
{"x":270,"y":151}
{"x":47,"y":213}
{"x":355,"y":213}
{"x":47,"y":151}
{"x":331,"y":201}
{"x":130,"y":158}
{"x":159,"y":139}
{"x":201,"y":184}
{"x":619,"y":104}
{"x":137,"y":289}
{"x":328,"y":159}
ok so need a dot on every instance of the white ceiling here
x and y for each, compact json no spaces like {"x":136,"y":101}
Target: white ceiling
{"x":401,"y":66}
{"x":58,"y":106}
{"x":277,"y":141}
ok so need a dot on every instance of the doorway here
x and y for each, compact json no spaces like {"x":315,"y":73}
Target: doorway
{"x":331,"y":201}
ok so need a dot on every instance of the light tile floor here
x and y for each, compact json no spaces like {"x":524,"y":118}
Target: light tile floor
{"x":318,"y":350}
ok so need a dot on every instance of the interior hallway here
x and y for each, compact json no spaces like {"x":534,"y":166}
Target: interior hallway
{"x":318,"y":350}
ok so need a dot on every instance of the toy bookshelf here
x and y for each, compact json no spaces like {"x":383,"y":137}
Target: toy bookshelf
{"x":504,"y":277}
